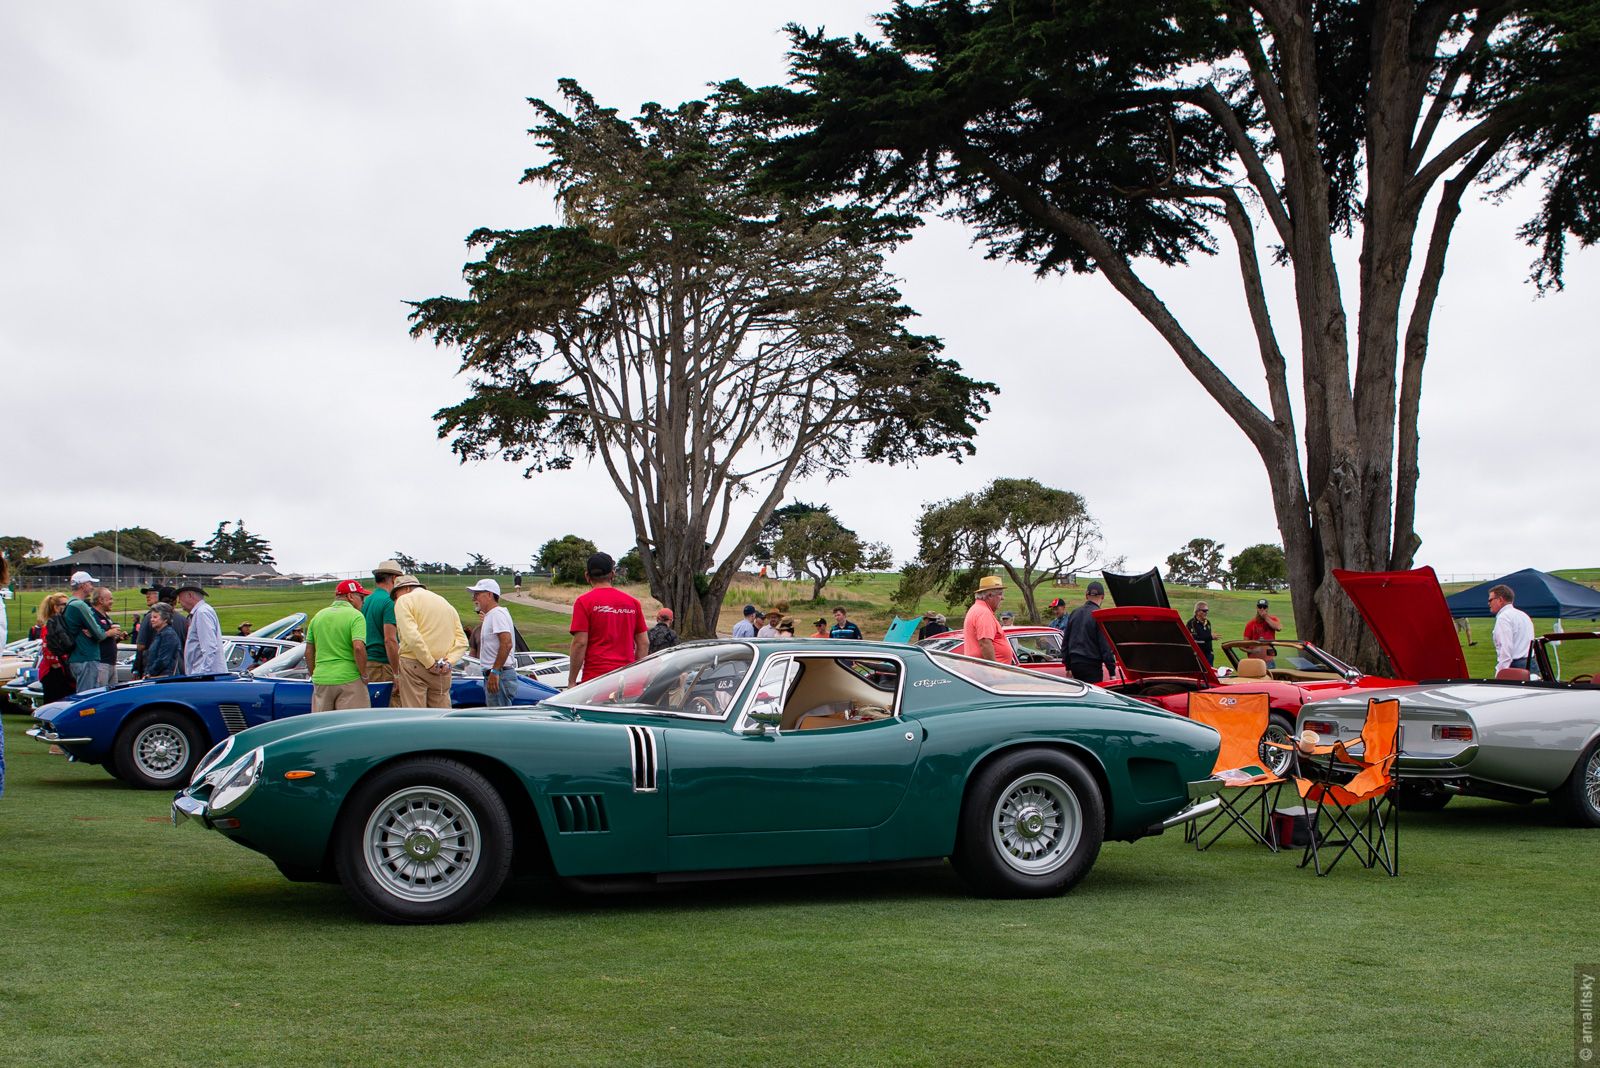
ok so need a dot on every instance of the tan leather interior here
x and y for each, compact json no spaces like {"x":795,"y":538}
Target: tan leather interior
{"x":824,"y":692}
{"x":1250,"y":669}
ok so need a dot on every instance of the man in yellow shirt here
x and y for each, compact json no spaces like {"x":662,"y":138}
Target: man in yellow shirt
{"x":431,"y":640}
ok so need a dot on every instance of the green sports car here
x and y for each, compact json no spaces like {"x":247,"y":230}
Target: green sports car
{"x":711,"y":759}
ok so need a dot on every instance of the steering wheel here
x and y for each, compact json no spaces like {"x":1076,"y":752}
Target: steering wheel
{"x":701,"y":705}
{"x":1585,"y":677}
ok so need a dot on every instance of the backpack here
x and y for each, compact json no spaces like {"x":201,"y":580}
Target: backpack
{"x":57,"y":638}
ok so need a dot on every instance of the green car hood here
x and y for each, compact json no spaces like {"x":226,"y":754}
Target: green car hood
{"x":320,"y":722}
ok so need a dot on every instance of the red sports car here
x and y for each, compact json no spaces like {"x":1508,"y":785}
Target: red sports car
{"x":1159,"y":663}
{"x":1036,"y":648}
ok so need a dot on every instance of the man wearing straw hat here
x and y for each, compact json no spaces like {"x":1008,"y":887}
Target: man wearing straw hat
{"x":982,"y":635}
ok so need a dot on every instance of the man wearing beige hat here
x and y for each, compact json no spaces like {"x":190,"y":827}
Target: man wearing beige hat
{"x":431,"y":640}
{"x":981,"y":633}
{"x":383,"y":634}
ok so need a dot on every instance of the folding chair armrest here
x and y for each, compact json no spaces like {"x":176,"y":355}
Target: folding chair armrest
{"x":1341,"y":752}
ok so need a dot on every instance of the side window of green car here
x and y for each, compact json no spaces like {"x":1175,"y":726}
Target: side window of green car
{"x":772,"y":690}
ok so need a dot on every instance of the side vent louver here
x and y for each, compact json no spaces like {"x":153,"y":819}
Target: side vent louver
{"x":232,"y":718}
{"x":580,"y":813}
{"x":642,"y":751}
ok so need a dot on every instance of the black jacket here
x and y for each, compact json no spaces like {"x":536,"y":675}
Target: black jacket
{"x":1085,"y":642}
{"x":1200,"y":630}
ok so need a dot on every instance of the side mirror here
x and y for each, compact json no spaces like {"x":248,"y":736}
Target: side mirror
{"x":755,"y":730}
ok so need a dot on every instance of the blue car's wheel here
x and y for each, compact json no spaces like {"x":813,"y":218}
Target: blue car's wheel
{"x":1031,"y":825}
{"x":424,"y":841}
{"x":157,"y":750}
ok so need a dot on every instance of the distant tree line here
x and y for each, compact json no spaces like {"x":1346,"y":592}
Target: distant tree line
{"x":231,"y":543}
{"x":1199,"y":563}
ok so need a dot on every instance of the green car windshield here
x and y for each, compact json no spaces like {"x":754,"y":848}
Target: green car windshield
{"x":690,"y":680}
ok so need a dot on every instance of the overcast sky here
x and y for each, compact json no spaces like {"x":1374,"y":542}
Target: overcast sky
{"x":214,"y":212}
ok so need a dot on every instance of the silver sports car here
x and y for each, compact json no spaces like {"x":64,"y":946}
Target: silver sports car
{"x":1508,"y":740}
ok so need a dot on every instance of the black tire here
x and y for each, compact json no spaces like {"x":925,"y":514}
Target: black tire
{"x":1280,"y":728}
{"x":1031,"y":825}
{"x":1579,"y":796}
{"x":427,"y":840}
{"x":1421,"y":796}
{"x":157,"y":749}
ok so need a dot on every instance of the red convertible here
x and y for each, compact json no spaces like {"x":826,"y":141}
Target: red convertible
{"x":1036,"y":648}
{"x":1159,"y":663}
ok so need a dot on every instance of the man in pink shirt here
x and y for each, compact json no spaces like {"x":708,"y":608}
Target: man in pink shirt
{"x":608,"y":627}
{"x":982,"y":635}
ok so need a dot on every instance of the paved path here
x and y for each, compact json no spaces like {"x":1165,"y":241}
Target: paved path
{"x":537,"y":602}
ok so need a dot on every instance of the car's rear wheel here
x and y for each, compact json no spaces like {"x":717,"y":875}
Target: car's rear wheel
{"x":157,"y":749}
{"x":424,"y":841}
{"x":1031,"y":825}
{"x":1580,"y":794}
{"x":1280,"y":729}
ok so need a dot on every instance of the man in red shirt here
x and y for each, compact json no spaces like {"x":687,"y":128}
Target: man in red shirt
{"x":981,"y":633}
{"x":608,"y":628}
{"x":1263,"y":627}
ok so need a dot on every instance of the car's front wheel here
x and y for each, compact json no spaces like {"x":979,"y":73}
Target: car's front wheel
{"x":157,"y":750}
{"x":1031,"y":825}
{"x":1580,"y":794}
{"x":427,"y":840}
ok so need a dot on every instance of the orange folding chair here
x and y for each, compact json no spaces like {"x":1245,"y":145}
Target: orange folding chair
{"x":1363,"y":815}
{"x":1241,"y":719}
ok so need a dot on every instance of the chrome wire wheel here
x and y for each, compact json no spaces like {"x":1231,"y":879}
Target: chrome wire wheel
{"x":1276,"y":760}
{"x":1036,"y":824}
{"x":160,"y":750}
{"x":1591,"y":780}
{"x":422,"y":843}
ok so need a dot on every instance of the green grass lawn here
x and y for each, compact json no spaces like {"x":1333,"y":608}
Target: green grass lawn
{"x":130,"y":942}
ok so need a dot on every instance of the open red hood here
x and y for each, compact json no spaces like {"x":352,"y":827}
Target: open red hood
{"x":1406,"y":610}
{"x":1150,"y":641}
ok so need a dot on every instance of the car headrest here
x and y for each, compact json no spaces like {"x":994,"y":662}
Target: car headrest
{"x":1251,"y":667}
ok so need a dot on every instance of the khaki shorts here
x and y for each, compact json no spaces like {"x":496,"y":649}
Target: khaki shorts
{"x":377,"y":672}
{"x":345,"y":695}
{"x":417,"y":687}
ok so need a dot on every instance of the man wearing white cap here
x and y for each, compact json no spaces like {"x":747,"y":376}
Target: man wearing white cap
{"x":85,"y":664}
{"x":495,"y":641}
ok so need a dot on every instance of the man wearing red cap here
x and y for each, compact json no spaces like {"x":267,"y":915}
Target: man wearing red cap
{"x":336,"y":651}
{"x":662,"y":636}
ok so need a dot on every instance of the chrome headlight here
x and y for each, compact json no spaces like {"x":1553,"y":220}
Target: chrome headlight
{"x":237,"y":782}
{"x":217,"y":755}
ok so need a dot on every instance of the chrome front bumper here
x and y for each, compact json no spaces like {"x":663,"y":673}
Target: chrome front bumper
{"x":50,"y":737}
{"x":185,"y":807}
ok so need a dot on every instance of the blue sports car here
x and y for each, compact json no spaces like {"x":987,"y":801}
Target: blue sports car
{"x":151,"y":734}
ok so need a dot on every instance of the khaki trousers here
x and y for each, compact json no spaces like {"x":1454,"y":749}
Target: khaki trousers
{"x":377,"y":672}
{"x":417,"y":687}
{"x":344,"y":695}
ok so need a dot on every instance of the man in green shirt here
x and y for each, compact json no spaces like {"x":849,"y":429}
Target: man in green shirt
{"x":85,"y":664}
{"x":383,"y":639}
{"x":336,"y":651}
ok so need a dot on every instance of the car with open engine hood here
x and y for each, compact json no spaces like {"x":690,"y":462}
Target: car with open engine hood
{"x":152,"y":733}
{"x":711,"y":759}
{"x":1511,"y":740}
{"x":1159,"y":662}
